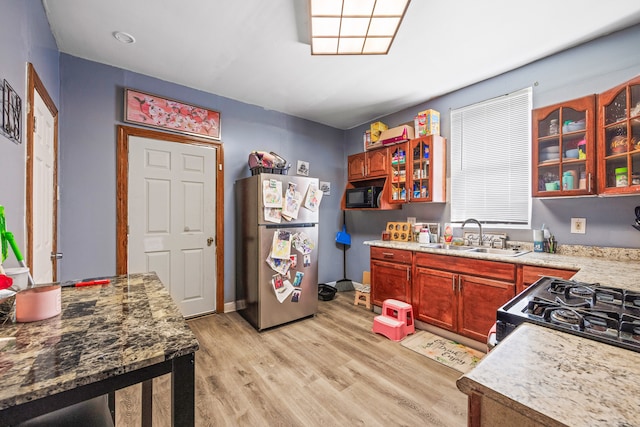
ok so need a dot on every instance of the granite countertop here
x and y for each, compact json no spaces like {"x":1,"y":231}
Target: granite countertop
{"x":550,"y":376}
{"x":559,"y":379}
{"x":103,"y":331}
{"x":616,"y":267}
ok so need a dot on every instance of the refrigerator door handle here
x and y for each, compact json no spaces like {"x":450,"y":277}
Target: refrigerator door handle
{"x":290,"y":225}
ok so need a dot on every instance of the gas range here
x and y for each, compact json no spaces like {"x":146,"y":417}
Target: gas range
{"x":606,"y":314}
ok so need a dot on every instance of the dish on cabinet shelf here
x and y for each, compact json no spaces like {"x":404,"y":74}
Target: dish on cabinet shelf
{"x":550,"y":149}
{"x":555,"y":159}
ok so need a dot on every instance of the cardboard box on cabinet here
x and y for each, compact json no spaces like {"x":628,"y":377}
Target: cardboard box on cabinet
{"x":396,"y":135}
{"x":376,"y":129}
{"x":427,"y":122}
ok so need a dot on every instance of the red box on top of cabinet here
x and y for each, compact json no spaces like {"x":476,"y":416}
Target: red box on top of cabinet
{"x":396,"y":135}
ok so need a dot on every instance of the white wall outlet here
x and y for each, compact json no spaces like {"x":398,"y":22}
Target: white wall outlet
{"x":411,"y":219}
{"x":578,"y":225}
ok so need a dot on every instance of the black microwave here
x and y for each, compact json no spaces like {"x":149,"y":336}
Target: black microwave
{"x":363,"y":197}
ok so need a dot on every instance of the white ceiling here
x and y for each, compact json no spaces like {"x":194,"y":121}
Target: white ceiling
{"x":257,"y":51}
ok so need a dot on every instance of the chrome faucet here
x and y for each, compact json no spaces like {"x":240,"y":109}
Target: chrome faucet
{"x":480,"y":238}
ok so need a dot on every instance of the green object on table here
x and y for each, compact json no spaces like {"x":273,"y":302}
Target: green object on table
{"x":7,"y":239}
{"x":3,"y":229}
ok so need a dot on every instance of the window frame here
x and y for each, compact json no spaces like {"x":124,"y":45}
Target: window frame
{"x":487,"y":127}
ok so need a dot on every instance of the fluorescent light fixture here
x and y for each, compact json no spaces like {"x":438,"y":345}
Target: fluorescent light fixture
{"x":354,"y":27}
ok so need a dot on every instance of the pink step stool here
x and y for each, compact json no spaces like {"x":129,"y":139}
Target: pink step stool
{"x":396,"y":320}
{"x":389,"y":327}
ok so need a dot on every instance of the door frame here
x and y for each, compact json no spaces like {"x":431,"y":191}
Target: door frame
{"x":34,"y":83}
{"x":122,"y":197}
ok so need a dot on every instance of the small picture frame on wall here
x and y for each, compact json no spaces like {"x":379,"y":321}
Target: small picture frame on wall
{"x":325,"y":187}
{"x":303,"y":168}
{"x":159,"y":112}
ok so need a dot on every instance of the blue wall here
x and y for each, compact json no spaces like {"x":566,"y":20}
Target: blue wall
{"x":92,"y":107}
{"x":90,"y":98}
{"x":587,"y":69}
{"x":24,"y":37}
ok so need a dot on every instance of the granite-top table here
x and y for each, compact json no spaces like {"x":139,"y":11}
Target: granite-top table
{"x":106,"y":338}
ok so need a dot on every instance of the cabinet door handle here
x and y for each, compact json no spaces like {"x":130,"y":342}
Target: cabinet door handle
{"x":408,"y":274}
{"x":453,"y":284}
{"x":387,"y":254}
{"x":362,"y":170}
{"x":589,"y":182}
{"x":459,"y":284}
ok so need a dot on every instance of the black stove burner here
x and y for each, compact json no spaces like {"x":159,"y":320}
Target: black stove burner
{"x":564,"y":316}
{"x":610,"y":315}
{"x":580,"y":291}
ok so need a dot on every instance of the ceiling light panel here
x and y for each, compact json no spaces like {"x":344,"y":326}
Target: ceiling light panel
{"x":326,"y":7}
{"x":358,"y":23}
{"x":383,"y":26}
{"x":326,"y":26}
{"x":358,"y":7}
{"x":350,"y":46}
{"x":390,"y":7}
{"x":354,"y":27}
{"x":377,"y":45}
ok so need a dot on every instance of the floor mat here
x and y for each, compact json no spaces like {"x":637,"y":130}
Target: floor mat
{"x":448,"y":352}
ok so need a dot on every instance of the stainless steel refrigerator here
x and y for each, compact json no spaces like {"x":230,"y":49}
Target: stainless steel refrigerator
{"x":256,"y":299}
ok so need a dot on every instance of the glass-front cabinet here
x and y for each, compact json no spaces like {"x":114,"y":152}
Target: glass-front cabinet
{"x":619,"y":139}
{"x":418,"y":170}
{"x":419,"y":152}
{"x":398,"y":173}
{"x":563,"y":157}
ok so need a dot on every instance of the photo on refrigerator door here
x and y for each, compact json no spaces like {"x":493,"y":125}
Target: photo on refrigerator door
{"x":297,"y":281}
{"x":283,"y":291}
{"x":295,"y":297}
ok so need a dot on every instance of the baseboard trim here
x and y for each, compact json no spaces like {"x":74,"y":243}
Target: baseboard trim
{"x":229,"y":306}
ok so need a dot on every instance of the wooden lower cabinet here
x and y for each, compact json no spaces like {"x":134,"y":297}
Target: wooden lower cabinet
{"x":478,"y":301}
{"x":390,"y":275}
{"x":530,"y":274}
{"x":435,"y":298}
{"x":448,"y":294}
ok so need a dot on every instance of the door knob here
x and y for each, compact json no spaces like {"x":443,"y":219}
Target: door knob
{"x":209,"y":241}
{"x":57,"y":255}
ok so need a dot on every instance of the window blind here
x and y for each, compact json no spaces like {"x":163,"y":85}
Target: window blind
{"x":490,"y":160}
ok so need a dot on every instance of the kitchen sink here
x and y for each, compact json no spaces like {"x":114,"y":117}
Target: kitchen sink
{"x":495,"y":251}
{"x":448,"y":247}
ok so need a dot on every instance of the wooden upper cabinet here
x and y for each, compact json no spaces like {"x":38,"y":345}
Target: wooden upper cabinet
{"x":619,"y":139}
{"x":564,"y":149}
{"x":356,"y":166}
{"x":378,"y":163}
{"x":367,"y":165}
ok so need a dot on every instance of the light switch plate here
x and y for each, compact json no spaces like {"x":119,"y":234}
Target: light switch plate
{"x":578,"y":225}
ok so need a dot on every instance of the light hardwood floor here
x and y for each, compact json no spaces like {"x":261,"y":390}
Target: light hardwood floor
{"x":328,"y":370}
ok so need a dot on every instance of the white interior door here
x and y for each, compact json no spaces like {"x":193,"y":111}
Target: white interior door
{"x":172,"y":221}
{"x":43,"y":191}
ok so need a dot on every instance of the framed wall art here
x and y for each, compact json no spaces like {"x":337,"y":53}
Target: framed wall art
{"x":164,"y":113}
{"x":10,"y":122}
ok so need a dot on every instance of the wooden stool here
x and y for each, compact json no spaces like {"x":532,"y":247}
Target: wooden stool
{"x":363,"y":292}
